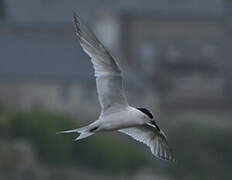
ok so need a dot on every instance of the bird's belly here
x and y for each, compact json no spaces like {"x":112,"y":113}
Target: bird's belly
{"x":119,"y":122}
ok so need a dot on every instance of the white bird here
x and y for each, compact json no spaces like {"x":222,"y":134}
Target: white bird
{"x":116,"y":113}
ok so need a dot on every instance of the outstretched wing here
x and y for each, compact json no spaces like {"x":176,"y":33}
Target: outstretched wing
{"x":107,"y":72}
{"x":152,"y":138}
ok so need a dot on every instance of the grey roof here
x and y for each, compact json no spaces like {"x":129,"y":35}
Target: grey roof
{"x":42,"y":55}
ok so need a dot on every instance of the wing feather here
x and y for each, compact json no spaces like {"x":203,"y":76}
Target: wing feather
{"x":107,"y":72}
{"x":152,"y":138}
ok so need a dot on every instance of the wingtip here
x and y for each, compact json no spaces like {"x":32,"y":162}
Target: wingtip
{"x":74,"y":14}
{"x":170,"y":160}
{"x":77,"y":23}
{"x":76,"y":17}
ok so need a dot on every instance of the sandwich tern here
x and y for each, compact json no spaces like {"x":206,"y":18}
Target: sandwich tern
{"x":116,"y":113}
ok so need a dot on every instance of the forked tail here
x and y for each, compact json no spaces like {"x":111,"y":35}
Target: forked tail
{"x":84,"y":131}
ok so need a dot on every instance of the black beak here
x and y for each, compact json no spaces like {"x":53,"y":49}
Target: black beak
{"x":154,"y":123}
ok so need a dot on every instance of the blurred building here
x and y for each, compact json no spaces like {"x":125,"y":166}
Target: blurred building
{"x":59,"y":11}
{"x":42,"y":67}
{"x":185,"y":55}
{"x":180,"y":49}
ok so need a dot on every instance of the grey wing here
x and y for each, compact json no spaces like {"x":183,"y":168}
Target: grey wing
{"x":152,"y":138}
{"x":107,"y":72}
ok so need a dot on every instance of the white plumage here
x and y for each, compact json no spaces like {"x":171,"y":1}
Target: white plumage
{"x":116,"y":114}
{"x":156,"y":141}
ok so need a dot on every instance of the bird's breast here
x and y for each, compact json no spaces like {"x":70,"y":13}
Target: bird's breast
{"x":120,"y":120}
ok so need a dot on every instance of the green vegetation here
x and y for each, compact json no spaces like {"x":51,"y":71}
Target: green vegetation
{"x":201,"y":143}
{"x":105,"y":153}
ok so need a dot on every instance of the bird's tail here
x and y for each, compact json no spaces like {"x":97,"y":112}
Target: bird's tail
{"x":83,"y":131}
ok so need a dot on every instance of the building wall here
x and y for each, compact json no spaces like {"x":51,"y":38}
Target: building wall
{"x":152,"y":47}
{"x":56,"y":97}
{"x":186,"y":57}
{"x":75,"y":99}
{"x":43,"y":66}
{"x":189,"y":37}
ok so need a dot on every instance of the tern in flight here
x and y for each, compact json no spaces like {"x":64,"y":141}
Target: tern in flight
{"x":116,"y":113}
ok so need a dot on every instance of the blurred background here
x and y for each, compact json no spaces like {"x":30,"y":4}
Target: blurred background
{"x":176,"y":57}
